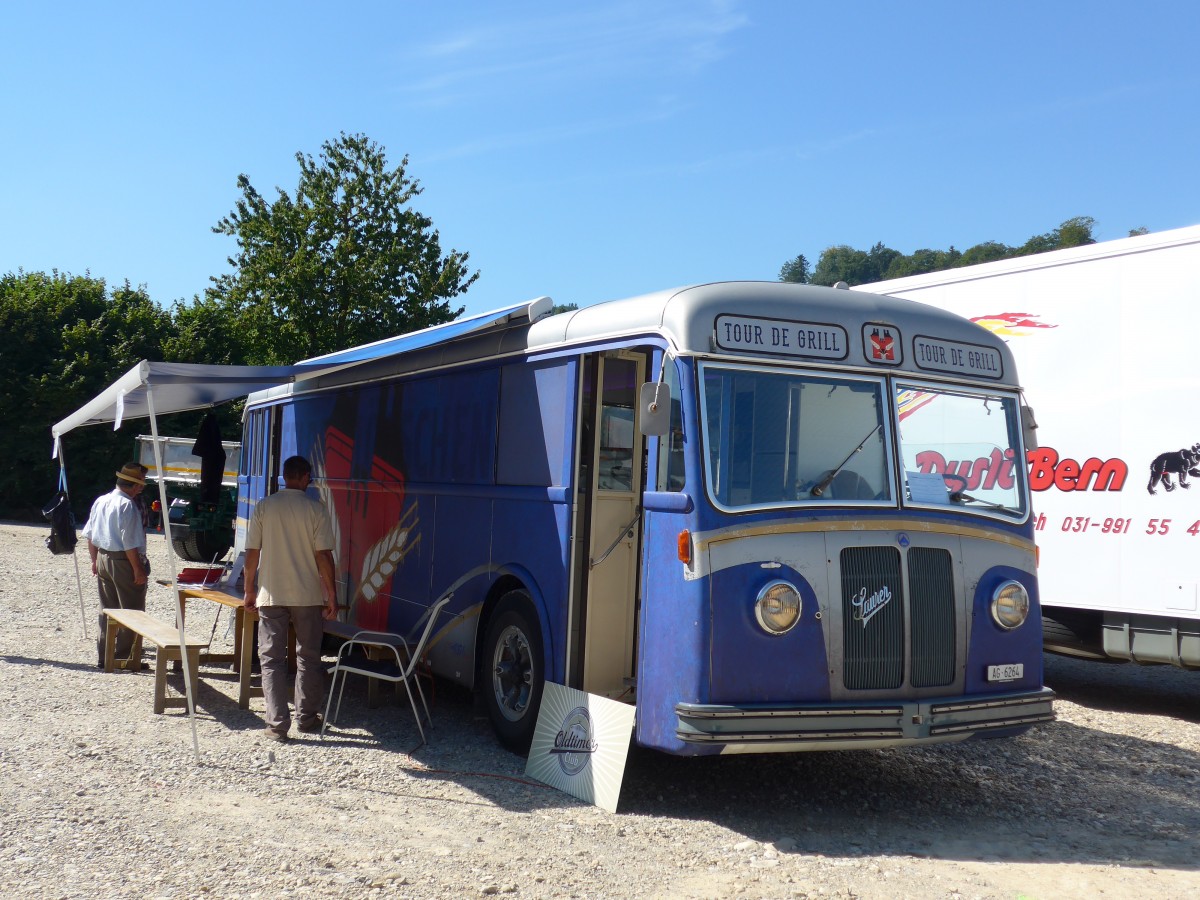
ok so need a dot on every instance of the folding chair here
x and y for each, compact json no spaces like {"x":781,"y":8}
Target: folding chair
{"x":384,"y":670}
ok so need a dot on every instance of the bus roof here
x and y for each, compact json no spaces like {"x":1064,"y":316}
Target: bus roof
{"x":747,"y":320}
{"x":839,"y":326}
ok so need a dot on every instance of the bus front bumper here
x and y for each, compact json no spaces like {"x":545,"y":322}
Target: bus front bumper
{"x":779,"y":728}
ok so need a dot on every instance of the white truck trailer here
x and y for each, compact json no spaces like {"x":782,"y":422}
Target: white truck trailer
{"x":1102,"y":337}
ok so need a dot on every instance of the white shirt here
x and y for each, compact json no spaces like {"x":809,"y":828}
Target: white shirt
{"x":115,"y":523}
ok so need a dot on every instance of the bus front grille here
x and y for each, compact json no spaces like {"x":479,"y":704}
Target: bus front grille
{"x":876,"y":608}
{"x":872,"y":618}
{"x":931,"y":606}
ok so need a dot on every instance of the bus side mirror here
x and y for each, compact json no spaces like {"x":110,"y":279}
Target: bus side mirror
{"x":1029,"y":427}
{"x":655,"y":402}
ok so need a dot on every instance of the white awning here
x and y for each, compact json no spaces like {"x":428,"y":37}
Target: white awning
{"x":177,"y":387}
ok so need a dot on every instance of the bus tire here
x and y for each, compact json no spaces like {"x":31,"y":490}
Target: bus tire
{"x":513,"y":674}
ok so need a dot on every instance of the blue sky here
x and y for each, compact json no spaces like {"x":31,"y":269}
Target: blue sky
{"x":591,"y":151}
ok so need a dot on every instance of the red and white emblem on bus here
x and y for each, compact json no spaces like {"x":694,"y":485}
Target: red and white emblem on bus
{"x":882,"y":344}
{"x":882,"y":347}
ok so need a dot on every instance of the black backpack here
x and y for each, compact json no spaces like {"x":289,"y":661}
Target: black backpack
{"x":62,"y":537}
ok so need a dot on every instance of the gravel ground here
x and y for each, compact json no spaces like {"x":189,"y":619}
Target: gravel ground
{"x":101,"y":798}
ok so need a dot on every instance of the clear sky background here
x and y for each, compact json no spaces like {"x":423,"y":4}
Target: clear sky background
{"x":596,"y":150}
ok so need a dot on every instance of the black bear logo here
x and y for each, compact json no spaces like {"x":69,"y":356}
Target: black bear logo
{"x":1183,"y":463}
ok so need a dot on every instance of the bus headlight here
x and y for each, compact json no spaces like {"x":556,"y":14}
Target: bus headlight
{"x":777,"y":607}
{"x":1010,"y":605}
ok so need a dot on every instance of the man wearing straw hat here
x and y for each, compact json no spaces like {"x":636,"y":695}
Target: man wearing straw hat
{"x":116,"y":541}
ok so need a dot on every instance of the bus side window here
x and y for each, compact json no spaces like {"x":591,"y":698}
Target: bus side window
{"x":255,"y":463}
{"x":670,"y":445}
{"x":614,"y":457}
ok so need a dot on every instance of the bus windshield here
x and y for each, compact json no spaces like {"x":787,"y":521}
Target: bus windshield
{"x":778,"y":436}
{"x":959,"y":449}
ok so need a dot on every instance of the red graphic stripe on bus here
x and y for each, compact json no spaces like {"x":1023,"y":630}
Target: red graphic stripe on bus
{"x":375,"y":534}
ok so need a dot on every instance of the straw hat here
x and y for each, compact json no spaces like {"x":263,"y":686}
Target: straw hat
{"x":132,"y":472}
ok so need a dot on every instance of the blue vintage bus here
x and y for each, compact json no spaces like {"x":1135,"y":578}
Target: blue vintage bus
{"x":774,"y":517}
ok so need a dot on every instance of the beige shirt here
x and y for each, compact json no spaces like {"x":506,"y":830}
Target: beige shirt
{"x":289,"y":529}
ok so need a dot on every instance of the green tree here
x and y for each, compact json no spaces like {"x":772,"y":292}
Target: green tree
{"x":843,"y":263}
{"x":795,"y":271}
{"x":344,"y":260}
{"x":920,"y":262}
{"x":1072,"y":233}
{"x":205,"y":331}
{"x":988,"y":251}
{"x":881,"y":258}
{"x":1140,"y":230}
{"x":1075,"y":232}
{"x":63,"y":339}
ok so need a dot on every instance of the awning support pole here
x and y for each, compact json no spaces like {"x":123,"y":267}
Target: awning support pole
{"x":62,"y":486}
{"x":166,"y":518}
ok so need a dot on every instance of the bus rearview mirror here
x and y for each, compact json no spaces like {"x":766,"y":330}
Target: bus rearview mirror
{"x":1029,"y":426}
{"x":655,"y":403}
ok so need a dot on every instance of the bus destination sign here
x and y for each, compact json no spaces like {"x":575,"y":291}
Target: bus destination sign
{"x":752,"y":334}
{"x":938,"y":355}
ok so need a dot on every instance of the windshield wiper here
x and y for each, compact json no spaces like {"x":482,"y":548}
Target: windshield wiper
{"x":964,"y":497}
{"x":823,"y":485}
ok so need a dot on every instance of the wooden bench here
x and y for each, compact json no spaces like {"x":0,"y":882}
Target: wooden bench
{"x":164,"y":637}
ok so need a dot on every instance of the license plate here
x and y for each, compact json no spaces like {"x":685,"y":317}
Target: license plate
{"x":1009,"y":672}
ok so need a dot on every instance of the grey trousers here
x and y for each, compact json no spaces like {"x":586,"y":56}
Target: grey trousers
{"x":273,"y":624}
{"x":114,"y":578}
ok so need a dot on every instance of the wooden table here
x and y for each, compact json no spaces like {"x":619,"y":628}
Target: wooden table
{"x":243,"y":637}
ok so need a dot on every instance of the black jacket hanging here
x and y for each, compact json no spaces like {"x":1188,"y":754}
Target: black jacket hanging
{"x":212,"y":459}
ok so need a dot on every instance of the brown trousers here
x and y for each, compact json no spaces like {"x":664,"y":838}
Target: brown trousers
{"x":114,"y":578}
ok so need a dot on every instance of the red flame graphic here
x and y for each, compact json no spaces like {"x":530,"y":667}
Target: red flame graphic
{"x":1013,"y":324}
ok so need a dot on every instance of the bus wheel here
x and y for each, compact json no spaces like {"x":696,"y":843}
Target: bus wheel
{"x":513,"y":673}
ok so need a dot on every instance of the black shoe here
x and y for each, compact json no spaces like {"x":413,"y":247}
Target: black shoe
{"x":272,"y":735}
{"x":310,"y":727}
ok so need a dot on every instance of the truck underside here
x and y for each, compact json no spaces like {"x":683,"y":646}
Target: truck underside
{"x":1121,"y":637}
